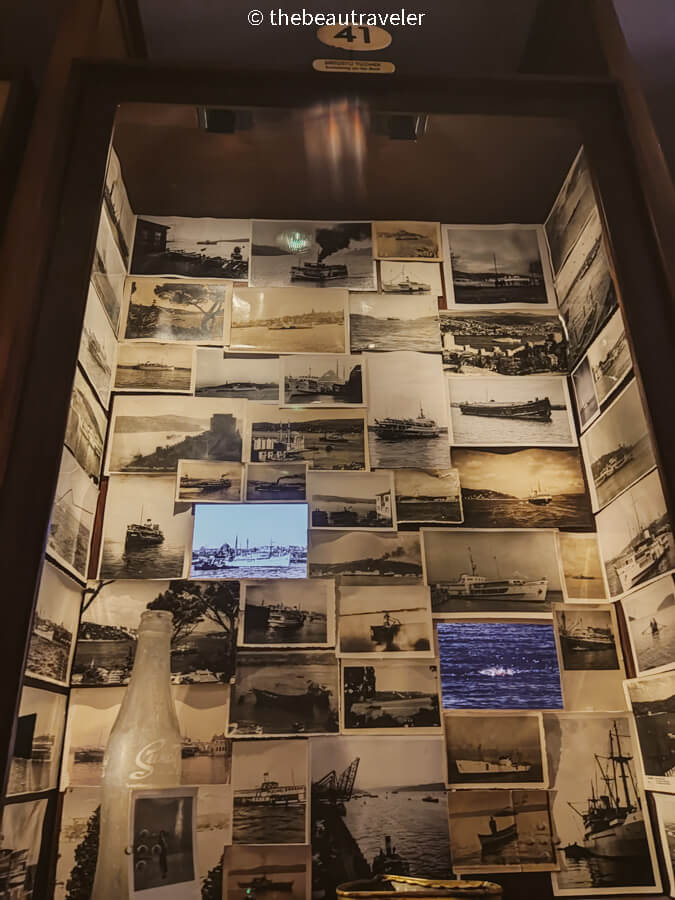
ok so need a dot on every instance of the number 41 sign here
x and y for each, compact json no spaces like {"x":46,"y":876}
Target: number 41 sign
{"x":354,"y":37}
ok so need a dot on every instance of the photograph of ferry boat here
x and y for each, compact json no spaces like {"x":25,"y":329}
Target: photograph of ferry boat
{"x":98,"y":348}
{"x":427,"y":496}
{"x":86,"y":427}
{"x":378,"y":322}
{"x":408,"y":421}
{"x":582,"y":569}
{"x":378,"y":620}
{"x":407,"y":240}
{"x":352,"y":500}
{"x":285,"y":693}
{"x":570,"y":212}
{"x":635,"y":536}
{"x":496,"y":264}
{"x":652,"y":701}
{"x":55,"y":622}
{"x":245,"y":378}
{"x":305,"y":254}
{"x":322,"y":380}
{"x":390,"y":697}
{"x":665,"y":816}
{"x":267,"y":871}
{"x":208,"y":481}
{"x":116,"y":204}
{"x":21,"y":831}
{"x":159,"y":368}
{"x":531,"y":487}
{"x":276,"y":482}
{"x":491,"y":571}
{"x":411,"y":278}
{"x":191,"y":247}
{"x":504,"y":412}
{"x":370,"y":554}
{"x":145,"y":534}
{"x":288,"y":613}
{"x":36,"y":748}
{"x":588,"y":407}
{"x":72,"y":520}
{"x":174,"y":310}
{"x":605,"y":839}
{"x":108,"y":271}
{"x":609,"y":358}
{"x":649,"y":613}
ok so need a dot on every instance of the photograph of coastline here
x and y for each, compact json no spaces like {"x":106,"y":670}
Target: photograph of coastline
{"x":378,"y":620}
{"x":322,"y":380}
{"x":427,"y":496}
{"x":368,"y":554}
{"x":288,"y":613}
{"x":209,"y":481}
{"x":588,"y":406}
{"x":165,"y":368}
{"x":609,"y":358}
{"x":175,"y":310}
{"x":116,"y":204}
{"x":72,"y":521}
{"x":665,"y":816}
{"x":570,"y":212}
{"x":108,"y":271}
{"x":582,"y":569}
{"x":283,"y":868}
{"x":407,"y":240}
{"x":98,"y":348}
{"x":86,"y":427}
{"x":243,"y":378}
{"x":381,"y":696}
{"x":276,"y":482}
{"x":387,"y":322}
{"x":411,"y":278}
{"x":21,"y":831}
{"x":55,"y":621}
{"x":36,"y":746}
{"x":652,"y":700}
{"x":650,"y":616}
{"x":352,"y":500}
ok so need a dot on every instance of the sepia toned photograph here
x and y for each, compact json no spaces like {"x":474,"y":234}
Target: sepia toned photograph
{"x":411,"y":278}
{"x":582,"y":569}
{"x":174,"y":310}
{"x":116,"y":204}
{"x":609,"y":358}
{"x":305,"y":254}
{"x":21,"y":831}
{"x":407,"y":240}
{"x":283,"y":869}
{"x":371,"y":554}
{"x":72,"y":521}
{"x":283,"y":482}
{"x":652,"y":700}
{"x":288,"y":613}
{"x":284,"y":693}
{"x":649,"y":613}
{"x":78,"y":840}
{"x":160,"y":368}
{"x":86,"y":427}
{"x":98,"y":348}
{"x":36,"y":748}
{"x":55,"y":621}
{"x":214,"y":831}
{"x":390,"y":697}
{"x":570,"y":212}
{"x":379,"y":322}
{"x":665,"y":817}
{"x":383,"y":619}
{"x":427,"y":496}
{"x":352,"y":500}
{"x":248,"y":378}
{"x":108,"y":271}
{"x":588,"y":406}
{"x":208,"y":481}
{"x":322,"y":380}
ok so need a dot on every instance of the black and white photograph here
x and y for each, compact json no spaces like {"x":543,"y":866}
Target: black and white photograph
{"x":86,"y":427}
{"x":503,"y":343}
{"x":55,"y":620}
{"x":411,"y":278}
{"x":368,"y":554}
{"x":488,"y":570}
{"x":323,"y":380}
{"x":408,"y":420}
{"x":242,"y":541}
{"x":609,"y":358}
{"x":116,"y":204}
{"x":588,"y":406}
{"x":247,"y":378}
{"x":382,"y":696}
{"x":385,"y":322}
{"x":196,"y":312}
{"x":72,"y":520}
{"x":495,"y":749}
{"x":288,"y":613}
{"x":214,"y":831}
{"x":283,"y":869}
{"x":532,"y":487}
{"x":270,"y":787}
{"x":504,"y":412}
{"x":570,"y":212}
{"x":209,"y":481}
{"x":305,"y":254}
{"x":108,"y":271}
{"x":192,"y":247}
{"x":282,"y":482}
{"x":20,"y":842}
{"x":426,"y":497}
{"x":286,"y":320}
{"x":582,"y":569}
{"x":352,"y":500}
{"x":407,"y":240}
{"x":36,"y":749}
{"x":378,"y":807}
{"x":149,"y":435}
{"x":285,"y":693}
{"x":98,"y":347}
{"x":617,"y":449}
{"x":159,"y":368}
{"x":649,"y":613}
{"x":323,"y":438}
{"x":145,"y":534}
{"x":78,"y":841}
{"x":378,"y":620}
{"x":496,"y":265}
{"x":652,"y":701}
{"x":635,"y":536}
{"x":665,"y":816}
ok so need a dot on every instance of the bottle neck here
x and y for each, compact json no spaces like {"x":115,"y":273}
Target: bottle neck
{"x":153,"y":658}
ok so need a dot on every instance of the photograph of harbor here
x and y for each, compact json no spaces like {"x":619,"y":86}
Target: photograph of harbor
{"x":665,"y":816}
{"x":108,"y":271}
{"x":495,"y":264}
{"x":270,"y":786}
{"x":352,"y":500}
{"x":98,"y":348}
{"x":390,"y":697}
{"x":570,"y":212}
{"x":609,"y":358}
{"x":504,"y":412}
{"x":116,"y":204}
{"x":582,"y":569}
{"x":288,"y":613}
{"x":408,"y":422}
{"x":191,"y":247}
{"x":167,"y":368}
{"x":407,"y":240}
{"x":175,"y":310}
{"x":55,"y":621}
{"x":86,"y":427}
{"x":652,"y":700}
{"x":214,"y":831}
{"x":276,"y":482}
{"x":145,"y":535}
{"x":378,"y":322}
{"x":649,"y":613}
{"x":505,"y":343}
{"x":322,"y":380}
{"x":36,"y":748}
{"x":371,"y":815}
{"x":267,"y":871}
{"x":244,"y":378}
{"x":284,"y":693}
{"x":584,"y":393}
{"x":371,"y":554}
{"x":605,"y":842}
{"x":72,"y":520}
{"x":377,"y":620}
{"x":208,"y":481}
{"x":498,"y":665}
{"x":427,"y":496}
{"x":411,"y":278}
{"x":305,"y":254}
{"x":491,"y":571}
{"x":532,"y":487}
{"x":21,"y":831}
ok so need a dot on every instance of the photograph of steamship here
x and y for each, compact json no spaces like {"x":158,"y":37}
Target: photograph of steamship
{"x":160,"y":368}
{"x":652,"y":700}
{"x":304,"y":254}
{"x":503,"y":412}
{"x":570,"y":212}
{"x":267,"y":871}
{"x":411,"y":278}
{"x":21,"y":830}
{"x":599,"y":814}
{"x":650,"y":615}
{"x":377,"y":620}
{"x":208,"y":481}
{"x":609,"y":358}
{"x":407,"y":240}
{"x":86,"y":427}
{"x":495,"y":265}
{"x":98,"y":348}
{"x":285,"y":693}
{"x":386,"y":322}
{"x":366,"y":554}
{"x":270,"y":786}
{"x":54,"y":625}
{"x":322,"y":380}
{"x":587,"y":637}
{"x":390,"y":697}
{"x":118,"y":207}
{"x":503,"y":343}
{"x":584,"y":393}
{"x":582,"y":570}
{"x":243,"y":378}
{"x":108,"y":271}
{"x":72,"y":522}
{"x":36,"y":749}
{"x":276,"y":482}
{"x":484,"y":571}
{"x":188,"y":311}
{"x":352,"y":500}
{"x":288,"y":613}
{"x":427,"y":496}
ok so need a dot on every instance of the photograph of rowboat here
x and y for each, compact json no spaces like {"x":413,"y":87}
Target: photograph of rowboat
{"x":322,"y":380}
{"x":411,"y":278}
{"x":652,"y":700}
{"x":369,"y":554}
{"x":245,"y":378}
{"x":36,"y":746}
{"x":427,"y":496}
{"x":582,"y":569}
{"x":609,"y":358}
{"x":288,"y":613}
{"x":588,"y":406}
{"x":390,"y":697}
{"x":208,"y":481}
{"x":407,"y":240}
{"x":570,"y":212}
{"x":352,"y":500}
{"x":377,"y":620}
{"x":379,"y":322}
{"x":98,"y":347}
{"x":650,"y":615}
{"x":266,"y":871}
{"x":189,"y":311}
{"x":155,"y":367}
{"x":55,"y":620}
{"x":276,"y":482}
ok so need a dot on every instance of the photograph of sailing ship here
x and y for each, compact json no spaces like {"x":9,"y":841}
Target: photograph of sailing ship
{"x":496,"y":264}
{"x":408,"y":422}
{"x":378,"y":322}
{"x":305,"y":254}
{"x":649,"y":613}
{"x":322,"y":380}
{"x":145,"y":535}
{"x":208,"y":481}
{"x":288,"y":613}
{"x":160,"y":368}
{"x":635,"y":536}
{"x":584,"y":393}
{"x":504,"y":412}
{"x":86,"y":427}
{"x":36,"y":748}
{"x":498,"y":665}
{"x":532,"y":487}
{"x":285,"y":693}
{"x":21,"y":831}
{"x":370,"y":554}
{"x":188,"y":311}
{"x":487,"y":570}
{"x":665,"y":816}
{"x":108,"y":271}
{"x":98,"y":348}
{"x":427,"y":496}
{"x":570,"y":212}
{"x":72,"y":520}
{"x":599,"y":814}
{"x":652,"y":700}
{"x":245,"y":378}
{"x":352,"y":500}
{"x":276,"y":483}
{"x":150,"y":434}
{"x":116,"y":204}
{"x":54,"y":625}
{"x":191,"y":247}
{"x":270,"y":786}
{"x":411,"y":278}
{"x":383,"y":619}
{"x":390,"y":697}
{"x":609,"y":358}
{"x":582,"y":569}
{"x":407,"y":240}
{"x":266,"y":871}
{"x":242,"y":541}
